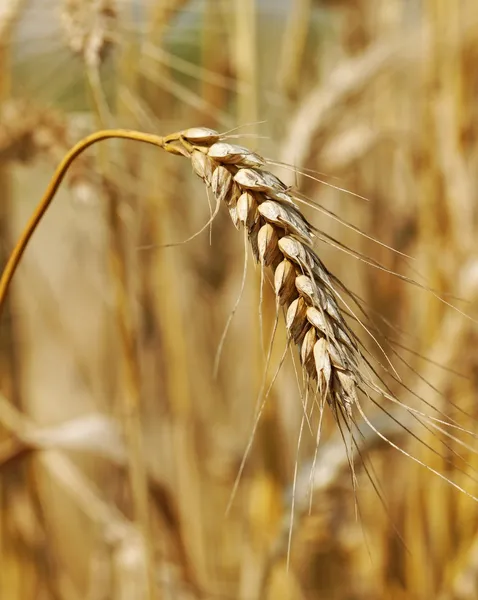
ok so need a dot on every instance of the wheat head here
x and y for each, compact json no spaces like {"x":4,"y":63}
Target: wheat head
{"x":334,"y":365}
{"x":282,"y":240}
{"x":29,"y":132}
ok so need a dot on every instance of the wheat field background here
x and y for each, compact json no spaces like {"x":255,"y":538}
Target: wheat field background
{"x":119,"y":446}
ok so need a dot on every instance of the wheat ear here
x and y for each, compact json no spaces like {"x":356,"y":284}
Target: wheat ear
{"x":89,"y":27}
{"x":281,"y":240}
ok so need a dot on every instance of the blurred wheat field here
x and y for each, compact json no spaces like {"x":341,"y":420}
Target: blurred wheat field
{"x":119,"y":448}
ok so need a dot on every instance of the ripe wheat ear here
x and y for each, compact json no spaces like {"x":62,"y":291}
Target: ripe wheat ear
{"x":334,"y":362}
{"x":281,"y":239}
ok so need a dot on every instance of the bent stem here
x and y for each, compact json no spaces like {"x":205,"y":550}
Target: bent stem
{"x":16,"y":255}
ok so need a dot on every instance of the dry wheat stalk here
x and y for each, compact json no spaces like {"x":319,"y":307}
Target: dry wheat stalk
{"x":89,"y":28}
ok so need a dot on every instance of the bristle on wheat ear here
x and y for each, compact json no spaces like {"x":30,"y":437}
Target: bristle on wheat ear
{"x":282,"y":239}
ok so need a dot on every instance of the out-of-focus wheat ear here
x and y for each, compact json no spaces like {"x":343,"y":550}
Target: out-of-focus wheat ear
{"x":321,"y":108}
{"x":29,"y":132}
{"x":89,"y":27}
{"x":9,"y":14}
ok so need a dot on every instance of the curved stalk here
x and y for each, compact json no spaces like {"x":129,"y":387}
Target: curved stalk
{"x":55,"y":182}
